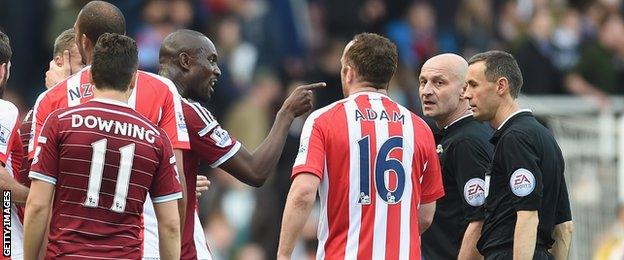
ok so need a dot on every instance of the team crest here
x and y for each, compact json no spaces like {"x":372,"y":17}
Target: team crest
{"x":474,"y":192}
{"x":522,"y":182}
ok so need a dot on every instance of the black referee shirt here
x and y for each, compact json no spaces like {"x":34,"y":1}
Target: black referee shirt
{"x":464,"y":152}
{"x":526,"y":174}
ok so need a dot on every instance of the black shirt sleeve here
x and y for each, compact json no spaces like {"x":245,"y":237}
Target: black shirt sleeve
{"x":520,"y":163}
{"x":563,"y":208}
{"x":471,"y":160}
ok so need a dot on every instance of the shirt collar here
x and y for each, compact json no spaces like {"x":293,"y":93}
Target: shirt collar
{"x":111,"y":102}
{"x":512,"y":115}
{"x":504,"y":125}
{"x":458,"y":119}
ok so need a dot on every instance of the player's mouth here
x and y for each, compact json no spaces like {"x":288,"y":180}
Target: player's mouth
{"x":213,"y":83}
{"x":428,"y":103}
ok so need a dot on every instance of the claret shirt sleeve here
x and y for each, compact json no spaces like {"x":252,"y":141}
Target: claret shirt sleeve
{"x":46,"y":157}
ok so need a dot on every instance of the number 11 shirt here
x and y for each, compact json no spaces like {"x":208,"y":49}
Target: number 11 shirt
{"x":103,"y":158}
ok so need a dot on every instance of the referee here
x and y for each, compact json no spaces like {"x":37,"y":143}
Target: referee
{"x":527,"y":210}
{"x":464,"y":151}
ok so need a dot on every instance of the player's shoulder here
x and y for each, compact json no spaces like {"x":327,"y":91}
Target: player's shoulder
{"x":155,"y":81}
{"x":328,"y":112}
{"x":8,"y":108}
{"x":195,"y":110}
{"x":59,"y":91}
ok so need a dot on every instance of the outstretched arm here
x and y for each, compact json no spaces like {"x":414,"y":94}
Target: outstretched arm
{"x":255,"y":168}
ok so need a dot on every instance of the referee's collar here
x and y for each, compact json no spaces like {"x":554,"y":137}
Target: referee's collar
{"x":457,"y":123}
{"x":508,"y":122}
{"x":512,"y":115}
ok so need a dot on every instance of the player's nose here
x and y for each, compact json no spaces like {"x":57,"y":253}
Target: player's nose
{"x":216,"y":71}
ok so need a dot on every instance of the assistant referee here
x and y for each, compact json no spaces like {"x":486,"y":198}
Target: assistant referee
{"x":527,"y":198}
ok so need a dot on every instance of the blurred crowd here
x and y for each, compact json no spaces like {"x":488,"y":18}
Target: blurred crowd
{"x":268,"y":46}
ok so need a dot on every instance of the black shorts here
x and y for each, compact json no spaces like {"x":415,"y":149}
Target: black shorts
{"x":507,"y":254}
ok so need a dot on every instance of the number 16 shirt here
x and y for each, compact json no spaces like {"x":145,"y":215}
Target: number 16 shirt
{"x":377,"y":163}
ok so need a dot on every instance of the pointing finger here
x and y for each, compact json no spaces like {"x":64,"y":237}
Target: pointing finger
{"x":314,"y":86}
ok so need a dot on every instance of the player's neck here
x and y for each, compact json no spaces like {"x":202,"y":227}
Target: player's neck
{"x":462,"y":110}
{"x":505,"y":110}
{"x":365,"y":88}
{"x":111,"y":95}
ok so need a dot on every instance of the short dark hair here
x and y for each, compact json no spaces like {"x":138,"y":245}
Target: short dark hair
{"x":115,"y":60}
{"x":99,"y":17}
{"x":5,"y":48}
{"x":64,"y":41}
{"x":374,"y":57}
{"x":500,"y":64}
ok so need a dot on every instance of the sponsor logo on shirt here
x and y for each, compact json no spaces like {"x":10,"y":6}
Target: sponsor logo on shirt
{"x":474,"y":192}
{"x":221,"y":137}
{"x":4,"y":135}
{"x":522,"y":182}
{"x":181,"y":122}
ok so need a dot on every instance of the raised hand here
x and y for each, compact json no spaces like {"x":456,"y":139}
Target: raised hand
{"x":300,"y":100}
{"x":57,"y":73}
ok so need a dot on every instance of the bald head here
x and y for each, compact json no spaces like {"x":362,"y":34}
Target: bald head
{"x":450,"y":63}
{"x":189,"y":58}
{"x":183,"y":41}
{"x":441,"y":83}
{"x":99,"y":17}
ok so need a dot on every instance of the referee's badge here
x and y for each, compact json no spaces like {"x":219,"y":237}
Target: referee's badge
{"x":522,"y":182}
{"x":474,"y":192}
{"x":439,"y":149}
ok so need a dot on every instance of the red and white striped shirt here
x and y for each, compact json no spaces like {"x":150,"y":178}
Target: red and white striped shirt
{"x":153,"y":96}
{"x":377,"y":163}
{"x":11,"y":156}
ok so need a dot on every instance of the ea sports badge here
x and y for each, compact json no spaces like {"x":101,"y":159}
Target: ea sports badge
{"x":522,"y":182}
{"x":474,"y":192}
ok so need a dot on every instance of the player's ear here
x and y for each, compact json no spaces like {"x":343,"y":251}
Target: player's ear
{"x":349,"y":74}
{"x":58,"y":61}
{"x":86,"y":43}
{"x":3,"y":71}
{"x":502,"y":86}
{"x":185,"y":60}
